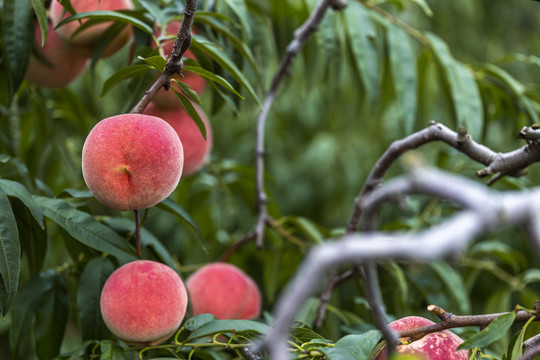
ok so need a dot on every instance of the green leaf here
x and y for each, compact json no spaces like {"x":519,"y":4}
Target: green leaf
{"x":225,"y":62}
{"x":360,"y":35}
{"x":128,"y":72}
{"x":212,"y":77}
{"x":110,"y":351}
{"x":229,"y":326}
{"x":239,"y":8}
{"x":196,"y":322}
{"x":192,"y":112}
{"x":466,"y":99}
{"x":424,"y":6}
{"x":156,"y":61}
{"x":41,"y":15}
{"x":491,"y":333}
{"x":529,"y":276}
{"x":26,"y":307}
{"x":305,"y":334}
{"x":172,"y":207}
{"x":15,"y":189}
{"x":102,"y":16}
{"x":89,"y":289}
{"x":403,"y":69}
{"x":190,"y":94}
{"x":51,"y":320}
{"x":10,"y":252}
{"x":308,"y":228}
{"x":357,"y":347}
{"x":453,"y":281}
{"x":85,"y":229}
{"x":18,"y":39}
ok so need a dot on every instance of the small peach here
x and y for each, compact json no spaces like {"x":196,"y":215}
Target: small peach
{"x":83,"y":43}
{"x":132,"y":161}
{"x":196,"y":148}
{"x":225,"y":291}
{"x":63,"y":65}
{"x":143,"y":302}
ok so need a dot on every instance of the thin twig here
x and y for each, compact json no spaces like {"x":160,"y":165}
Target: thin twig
{"x":138,"y":232}
{"x":174,"y":64}
{"x":301,"y":35}
{"x":230,"y":251}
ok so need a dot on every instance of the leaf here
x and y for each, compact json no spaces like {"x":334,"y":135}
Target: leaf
{"x":453,"y":281}
{"x":110,"y":351}
{"x":87,"y":230}
{"x":41,"y":15}
{"x":193,"y":114}
{"x":229,"y":326}
{"x":225,"y":62}
{"x":360,"y":32}
{"x":128,"y":72}
{"x":10,"y":252}
{"x":491,"y":333}
{"x":51,"y":319}
{"x":357,"y":347}
{"x":213,"y":77}
{"x":101,"y":16}
{"x":15,"y":189}
{"x":403,"y":69}
{"x":239,"y":8}
{"x":308,"y":228}
{"x":89,"y":289}
{"x":305,"y":334}
{"x":17,"y":36}
{"x":172,"y":207}
{"x":190,"y":94}
{"x":156,"y":61}
{"x":463,"y":88}
{"x":529,"y":276}
{"x":196,"y":322}
{"x":424,"y":6}
{"x":27,"y":306}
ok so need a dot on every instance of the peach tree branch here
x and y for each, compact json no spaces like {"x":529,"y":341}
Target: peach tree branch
{"x":483,"y":210}
{"x":174,"y":64}
{"x":301,"y":36}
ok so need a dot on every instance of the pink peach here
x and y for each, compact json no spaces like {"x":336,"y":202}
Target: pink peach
{"x":225,"y":291}
{"x":441,"y":345}
{"x":59,"y":66}
{"x":83,"y":43}
{"x":196,"y":148}
{"x":143,"y":302}
{"x":132,"y":161}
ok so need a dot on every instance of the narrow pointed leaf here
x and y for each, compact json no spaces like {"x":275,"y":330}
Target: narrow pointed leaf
{"x":213,"y":77}
{"x":125,"y":73}
{"x":109,"y":16}
{"x":10,"y":252}
{"x":41,"y":15}
{"x":491,"y":333}
{"x":15,"y":189}
{"x":85,"y":229}
{"x":236,"y":326}
{"x":193,"y":114}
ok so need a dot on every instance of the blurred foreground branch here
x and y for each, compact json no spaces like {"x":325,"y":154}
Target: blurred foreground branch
{"x":483,"y":210}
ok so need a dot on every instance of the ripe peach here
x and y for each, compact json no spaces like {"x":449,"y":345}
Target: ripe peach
{"x":166,"y":99}
{"x":196,"y":148}
{"x":132,"y":161}
{"x":63,"y":65}
{"x":441,"y":345}
{"x":143,"y":302}
{"x":225,"y":291}
{"x":83,"y":43}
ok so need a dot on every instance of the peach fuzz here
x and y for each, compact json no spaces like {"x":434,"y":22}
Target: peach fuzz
{"x":225,"y":291}
{"x":166,"y":98}
{"x":63,"y":65}
{"x":440,"y":345}
{"x":143,"y":302}
{"x":132,"y":161}
{"x":196,"y":148}
{"x":83,"y":42}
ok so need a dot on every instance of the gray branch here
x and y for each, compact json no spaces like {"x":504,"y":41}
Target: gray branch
{"x":174,"y":64}
{"x":483,"y":210}
{"x":301,"y":36}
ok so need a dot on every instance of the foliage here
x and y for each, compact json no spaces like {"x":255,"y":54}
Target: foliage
{"x":373,"y":73}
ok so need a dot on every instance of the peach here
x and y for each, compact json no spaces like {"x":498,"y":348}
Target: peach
{"x":143,"y":302}
{"x":132,"y":161}
{"x":441,"y":345}
{"x":225,"y":291}
{"x":83,"y":43}
{"x":63,"y":65}
{"x":166,"y":98}
{"x":196,"y":148}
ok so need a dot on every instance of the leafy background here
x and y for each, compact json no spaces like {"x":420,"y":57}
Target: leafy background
{"x":373,"y":73}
